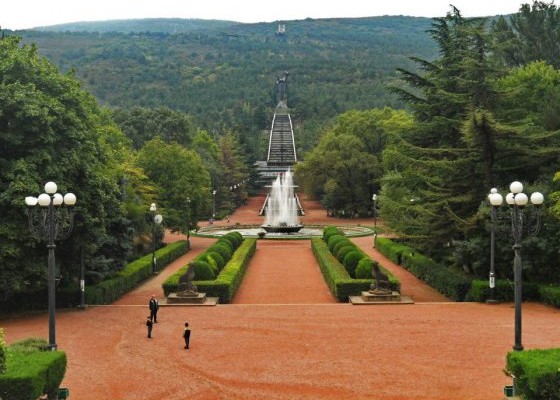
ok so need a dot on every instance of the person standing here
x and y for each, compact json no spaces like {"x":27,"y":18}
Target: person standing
{"x":187,"y":335}
{"x":149,"y":324}
{"x":154,"y":307}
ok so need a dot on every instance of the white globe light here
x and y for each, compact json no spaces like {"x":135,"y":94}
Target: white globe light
{"x":496,"y":199}
{"x":374,"y":197}
{"x":44,"y":200}
{"x":31,"y":201}
{"x":537,"y":198}
{"x":50,"y":187}
{"x":521,"y":199}
{"x":509,"y":199}
{"x":153,"y":207}
{"x":516,"y":187}
{"x":158,"y":218}
{"x":70,"y":199}
{"x":57,"y":199}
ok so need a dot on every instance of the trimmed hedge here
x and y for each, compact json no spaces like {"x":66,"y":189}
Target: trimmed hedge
{"x":229,"y":279}
{"x":537,"y":373}
{"x":32,"y":371}
{"x":452,"y":283}
{"x":340,"y":284}
{"x":137,"y":271}
{"x":101,"y":293}
{"x":504,"y":292}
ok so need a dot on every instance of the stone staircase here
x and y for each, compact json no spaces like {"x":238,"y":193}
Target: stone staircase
{"x":281,"y":146}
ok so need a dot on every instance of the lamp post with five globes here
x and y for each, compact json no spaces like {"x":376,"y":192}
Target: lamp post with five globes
{"x":517,"y":200}
{"x":51,"y":222}
{"x":156,"y":220}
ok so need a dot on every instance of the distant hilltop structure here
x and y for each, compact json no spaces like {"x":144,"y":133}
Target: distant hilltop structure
{"x":281,"y":30}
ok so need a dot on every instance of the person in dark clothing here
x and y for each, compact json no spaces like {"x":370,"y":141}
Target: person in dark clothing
{"x":187,"y":335}
{"x":154,"y":306}
{"x":149,"y":324}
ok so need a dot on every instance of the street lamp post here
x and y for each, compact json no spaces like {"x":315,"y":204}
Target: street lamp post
{"x":374,"y":198}
{"x":156,"y":220}
{"x":213,"y":205}
{"x":517,"y":200}
{"x":51,"y":222}
{"x":188,"y":218}
{"x":496,"y":200}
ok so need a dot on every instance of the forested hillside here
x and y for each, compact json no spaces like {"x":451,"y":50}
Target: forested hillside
{"x":224,"y":76}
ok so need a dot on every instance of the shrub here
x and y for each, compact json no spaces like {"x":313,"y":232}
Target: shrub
{"x":203,"y":271}
{"x":333,"y":240}
{"x":341,"y":253}
{"x":340,"y":244}
{"x":330,"y":231}
{"x":31,"y":371}
{"x":229,"y":242}
{"x":222,"y":249}
{"x":351,"y":261}
{"x":536,"y":372}
{"x":363,"y":270}
{"x":235,"y":237}
{"x":217,"y":258}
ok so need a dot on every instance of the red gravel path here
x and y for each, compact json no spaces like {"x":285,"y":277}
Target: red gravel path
{"x":270,"y":349}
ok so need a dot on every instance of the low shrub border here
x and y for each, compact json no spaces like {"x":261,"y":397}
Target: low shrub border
{"x":340,"y":284}
{"x":536,"y":372}
{"x":103,"y":292}
{"x":31,"y":370}
{"x":452,"y":283}
{"x":137,"y":271}
{"x":504,"y":291}
{"x":228,"y":280}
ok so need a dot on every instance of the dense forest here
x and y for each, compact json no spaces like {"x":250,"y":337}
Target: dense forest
{"x":224,"y":76}
{"x":428,"y":114}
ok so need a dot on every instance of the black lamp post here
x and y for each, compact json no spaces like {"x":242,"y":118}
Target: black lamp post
{"x":213,"y":205}
{"x":51,"y":222}
{"x":156,"y":220}
{"x":374,"y":198}
{"x":517,"y":200}
{"x":188,"y":218}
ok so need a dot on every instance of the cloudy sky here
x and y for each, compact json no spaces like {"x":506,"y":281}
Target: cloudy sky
{"x":22,"y":14}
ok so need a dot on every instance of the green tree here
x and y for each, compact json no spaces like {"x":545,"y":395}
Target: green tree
{"x":52,"y":130}
{"x":178,"y":174}
{"x":345,"y":168}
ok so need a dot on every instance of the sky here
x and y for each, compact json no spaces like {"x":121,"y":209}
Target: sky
{"x":24,"y":14}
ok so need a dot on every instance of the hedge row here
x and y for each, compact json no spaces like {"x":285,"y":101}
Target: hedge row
{"x":340,"y":284}
{"x":31,"y":371}
{"x":137,"y":271}
{"x":504,"y":291}
{"x":101,"y":293}
{"x":536,"y":372}
{"x":452,"y":283}
{"x":229,"y":279}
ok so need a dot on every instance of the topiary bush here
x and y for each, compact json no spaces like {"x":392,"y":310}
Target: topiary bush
{"x":330,"y":231}
{"x":222,"y":249}
{"x":363,"y":270}
{"x":341,"y":253}
{"x":333,"y":240}
{"x":351,"y":261}
{"x":340,"y":244}
{"x":216,"y":258}
{"x":203,"y":271}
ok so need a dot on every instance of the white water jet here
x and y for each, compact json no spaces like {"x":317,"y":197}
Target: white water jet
{"x":281,"y":210}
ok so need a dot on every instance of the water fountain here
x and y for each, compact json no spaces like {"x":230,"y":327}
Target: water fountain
{"x":281,"y":210}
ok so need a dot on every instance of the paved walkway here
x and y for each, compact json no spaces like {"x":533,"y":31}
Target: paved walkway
{"x":263,"y":348}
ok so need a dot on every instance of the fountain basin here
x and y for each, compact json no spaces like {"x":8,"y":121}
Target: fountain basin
{"x":282,"y":228}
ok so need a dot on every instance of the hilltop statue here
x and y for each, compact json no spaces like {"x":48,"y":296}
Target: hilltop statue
{"x":282,"y":84}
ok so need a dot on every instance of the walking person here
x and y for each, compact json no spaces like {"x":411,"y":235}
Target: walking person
{"x":154,"y":307}
{"x":187,"y":335}
{"x":149,"y":324}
